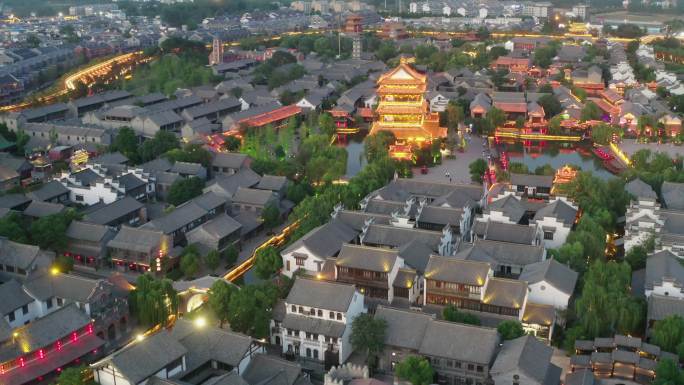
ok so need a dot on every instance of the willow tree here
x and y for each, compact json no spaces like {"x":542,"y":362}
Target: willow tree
{"x":153,"y":300}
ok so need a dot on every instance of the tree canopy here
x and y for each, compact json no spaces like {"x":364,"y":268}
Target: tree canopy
{"x":510,"y":329}
{"x":451,"y":313}
{"x":153,"y":300}
{"x":368,"y":335}
{"x":185,"y":189}
{"x":416,"y":370}
{"x":250,"y":309}
{"x":219,"y":299}
{"x":267,"y":262}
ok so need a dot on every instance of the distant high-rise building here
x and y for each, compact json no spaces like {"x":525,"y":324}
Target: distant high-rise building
{"x":216,"y":56}
{"x":581,"y":11}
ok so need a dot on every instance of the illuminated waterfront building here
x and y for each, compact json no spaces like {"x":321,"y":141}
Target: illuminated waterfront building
{"x":403,"y":110}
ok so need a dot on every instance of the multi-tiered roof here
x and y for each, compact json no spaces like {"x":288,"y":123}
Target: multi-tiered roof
{"x":403,"y":109}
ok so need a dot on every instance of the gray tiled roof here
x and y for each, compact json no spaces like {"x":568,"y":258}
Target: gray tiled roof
{"x":186,"y":168}
{"x":23,"y":256}
{"x":552,"y":272}
{"x":505,"y":232}
{"x":392,"y":236}
{"x":155,"y":351}
{"x":269,"y":370}
{"x":12,"y":201}
{"x":449,"y":339}
{"x":227,"y":185}
{"x":210,"y":344}
{"x":48,"y":191}
{"x":440,"y":215}
{"x":416,"y":254}
{"x":271,"y":182}
{"x":673,"y":195}
{"x":405,"y":328}
{"x":366,"y":258}
{"x":46,"y":330}
{"x":510,"y":206}
{"x":113,"y":211}
{"x":580,"y":377}
{"x":314,"y":325}
{"x":532,"y":180}
{"x":661,"y":307}
{"x":326,"y":240}
{"x":229,"y":159}
{"x":135,"y":238}
{"x":217,"y":228}
{"x":357,"y":219}
{"x":321,"y":294}
{"x":44,"y":285}
{"x":558,"y":209}
{"x":640,"y":189}
{"x":110,"y":158}
{"x":12,"y":297}
{"x":527,"y":355}
{"x":502,"y":252}
{"x":455,"y":270}
{"x":504,"y":292}
{"x":661,"y":266}
{"x":249,"y":196}
{"x":39,"y":209}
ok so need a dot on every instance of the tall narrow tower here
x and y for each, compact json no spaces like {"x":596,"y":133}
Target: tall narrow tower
{"x":216,"y":56}
{"x":354,"y":29}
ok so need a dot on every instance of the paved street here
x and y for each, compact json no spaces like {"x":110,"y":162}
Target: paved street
{"x":629,"y":146}
{"x":457,"y":168}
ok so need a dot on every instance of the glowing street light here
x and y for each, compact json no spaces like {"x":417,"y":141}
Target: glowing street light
{"x":200,"y":322}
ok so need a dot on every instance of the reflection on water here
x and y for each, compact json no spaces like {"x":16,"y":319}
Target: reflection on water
{"x":557,"y":154}
{"x":356,"y":158}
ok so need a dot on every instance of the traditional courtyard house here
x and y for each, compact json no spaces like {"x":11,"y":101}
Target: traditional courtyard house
{"x":217,"y":234}
{"x":87,"y":243}
{"x":506,"y":259}
{"x":188,"y":216}
{"x":525,"y":360}
{"x":673,"y":195}
{"x":42,"y":347}
{"x":228,"y":163}
{"x":411,"y":333}
{"x":310,"y":252}
{"x":453,"y":281}
{"x":620,"y":357}
{"x":316,"y":321}
{"x":480,"y":106}
{"x":139,"y":249}
{"x":532,"y":186}
{"x":507,"y":232}
{"x":52,"y":191}
{"x":18,"y":260}
{"x":507,"y":209}
{"x":372,"y":270}
{"x":184,"y":353}
{"x":125,"y":211}
{"x":555,"y":219}
{"x":549,"y":283}
{"x":512,"y":64}
{"x":664,"y":275}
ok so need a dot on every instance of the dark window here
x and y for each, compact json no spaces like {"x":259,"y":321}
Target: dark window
{"x":471,"y":367}
{"x":339,"y":316}
{"x":548,"y":235}
{"x":480,"y":368}
{"x":49,"y":303}
{"x":320,"y":313}
{"x":24,"y":309}
{"x":299,"y":261}
{"x":60,"y":302}
{"x":294,"y":308}
{"x":11,"y":316}
{"x":332,"y":315}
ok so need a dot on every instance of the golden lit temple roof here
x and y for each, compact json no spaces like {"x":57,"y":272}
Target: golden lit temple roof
{"x":403,"y":74}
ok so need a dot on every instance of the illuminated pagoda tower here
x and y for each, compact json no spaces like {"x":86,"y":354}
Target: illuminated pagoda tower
{"x":403,"y":110}
{"x":216,"y":55}
{"x":354,"y":28}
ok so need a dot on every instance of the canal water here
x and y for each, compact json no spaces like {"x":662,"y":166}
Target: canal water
{"x":557,"y":154}
{"x":356,"y":158}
